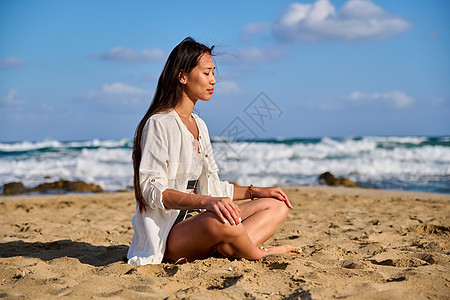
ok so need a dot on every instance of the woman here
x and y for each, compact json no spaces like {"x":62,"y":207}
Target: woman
{"x":184,"y":212}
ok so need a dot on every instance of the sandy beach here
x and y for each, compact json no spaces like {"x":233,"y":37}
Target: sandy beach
{"x":357,"y":244}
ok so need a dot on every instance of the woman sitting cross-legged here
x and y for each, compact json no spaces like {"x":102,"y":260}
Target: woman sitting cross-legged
{"x":184,"y":212}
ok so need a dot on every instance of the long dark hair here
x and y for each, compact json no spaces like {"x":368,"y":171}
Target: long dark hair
{"x":183,"y":58}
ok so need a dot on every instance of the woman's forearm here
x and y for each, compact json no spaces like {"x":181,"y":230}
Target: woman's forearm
{"x":174,"y":199}
{"x":224,"y":207}
{"x":243,"y":192}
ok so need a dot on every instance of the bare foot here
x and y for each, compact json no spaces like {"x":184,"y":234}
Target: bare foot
{"x":285,"y":249}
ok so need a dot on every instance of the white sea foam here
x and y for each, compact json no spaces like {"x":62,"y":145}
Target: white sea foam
{"x":374,"y":161}
{"x":396,"y":139}
{"x":110,"y":167}
{"x":359,"y":159}
{"x":28,"y":146}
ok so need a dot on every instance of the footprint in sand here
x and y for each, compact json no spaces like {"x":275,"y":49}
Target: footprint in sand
{"x":400,"y":263}
{"x":278,"y":266}
{"x":397,"y":279}
{"x":352,"y":265}
{"x":64,"y":204}
{"x":226,"y":283}
{"x":430,"y":229}
{"x":371,"y":249}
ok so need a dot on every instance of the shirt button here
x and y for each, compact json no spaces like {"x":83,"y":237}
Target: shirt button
{"x":199,"y":137}
{"x":206,"y":155}
{"x":153,"y":180}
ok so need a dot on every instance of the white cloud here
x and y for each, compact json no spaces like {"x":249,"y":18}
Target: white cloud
{"x":397,"y":99}
{"x":121,"y":88}
{"x":131,"y":56}
{"x":319,"y":21}
{"x":11,"y":63}
{"x":115,"y":96}
{"x":12,"y":99}
{"x":253,"y":29}
{"x":227,"y":87}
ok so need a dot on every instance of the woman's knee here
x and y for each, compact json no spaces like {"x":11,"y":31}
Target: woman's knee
{"x":227,"y":232}
{"x":275,"y":204}
{"x":279,"y":208}
{"x":222,"y":231}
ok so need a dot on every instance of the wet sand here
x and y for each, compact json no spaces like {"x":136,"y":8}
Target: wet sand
{"x":357,"y":244}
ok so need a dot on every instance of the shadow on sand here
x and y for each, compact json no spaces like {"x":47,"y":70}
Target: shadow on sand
{"x":84,"y":252}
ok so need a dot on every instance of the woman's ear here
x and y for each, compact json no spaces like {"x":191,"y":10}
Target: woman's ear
{"x":182,"y":77}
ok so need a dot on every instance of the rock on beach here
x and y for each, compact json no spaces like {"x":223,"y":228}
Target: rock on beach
{"x":329,"y":179}
{"x":61,"y":186}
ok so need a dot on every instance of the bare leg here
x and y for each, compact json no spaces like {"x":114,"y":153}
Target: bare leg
{"x":262,"y":217}
{"x":195,"y":237}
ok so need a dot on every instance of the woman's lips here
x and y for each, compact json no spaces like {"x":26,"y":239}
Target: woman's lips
{"x":211,"y":91}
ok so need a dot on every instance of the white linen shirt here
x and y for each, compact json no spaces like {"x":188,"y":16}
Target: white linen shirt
{"x":166,"y":157}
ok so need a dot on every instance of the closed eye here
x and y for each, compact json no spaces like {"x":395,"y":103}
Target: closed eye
{"x":209,"y":70}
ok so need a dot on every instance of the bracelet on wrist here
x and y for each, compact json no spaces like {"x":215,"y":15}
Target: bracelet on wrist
{"x":250,"y":191}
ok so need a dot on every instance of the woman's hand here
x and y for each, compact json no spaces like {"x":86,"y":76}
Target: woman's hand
{"x":271,"y":192}
{"x":225,"y":209}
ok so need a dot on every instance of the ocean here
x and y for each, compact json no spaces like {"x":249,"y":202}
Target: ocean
{"x":397,"y":163}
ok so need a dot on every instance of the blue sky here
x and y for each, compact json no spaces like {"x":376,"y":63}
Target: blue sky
{"x":76,"y":70}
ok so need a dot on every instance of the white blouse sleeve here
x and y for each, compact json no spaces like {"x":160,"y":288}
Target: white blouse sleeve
{"x":153,"y":172}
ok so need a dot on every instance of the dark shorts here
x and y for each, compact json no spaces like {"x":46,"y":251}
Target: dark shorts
{"x":185,"y":214}
{"x":192,"y":187}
